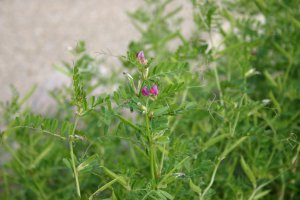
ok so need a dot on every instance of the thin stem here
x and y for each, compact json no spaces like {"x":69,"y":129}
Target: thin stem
{"x":41,"y":130}
{"x":237,"y":116}
{"x":212,"y":46}
{"x":162,"y":160}
{"x":257,"y":189}
{"x":218,"y":84}
{"x":104,"y":187}
{"x":73,"y":157}
{"x":151,"y":148}
{"x":283,"y":185}
{"x":211,"y":180}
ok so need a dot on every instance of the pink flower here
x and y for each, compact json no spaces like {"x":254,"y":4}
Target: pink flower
{"x":141,"y":58}
{"x":145,"y":91}
{"x":154,"y":90}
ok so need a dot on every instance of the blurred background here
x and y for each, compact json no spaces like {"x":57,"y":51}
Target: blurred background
{"x":36,"y":34}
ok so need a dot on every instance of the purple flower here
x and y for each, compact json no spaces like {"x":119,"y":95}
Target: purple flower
{"x":154,"y":90}
{"x":145,"y":91}
{"x":141,"y":58}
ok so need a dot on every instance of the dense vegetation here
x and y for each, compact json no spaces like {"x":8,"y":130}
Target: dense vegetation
{"x":208,"y":119}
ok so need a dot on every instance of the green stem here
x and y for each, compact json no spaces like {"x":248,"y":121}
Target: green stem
{"x":37,"y":129}
{"x":237,"y":116}
{"x":211,"y":180}
{"x":73,"y":158}
{"x":283,"y":185}
{"x":152,"y":162}
{"x":218,"y":84}
{"x":162,"y":160}
{"x":151,"y":149}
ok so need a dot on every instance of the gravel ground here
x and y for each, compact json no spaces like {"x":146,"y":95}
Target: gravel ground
{"x":35,"y":34}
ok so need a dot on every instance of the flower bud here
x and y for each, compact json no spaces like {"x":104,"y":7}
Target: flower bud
{"x":154,"y":90}
{"x":141,"y":58}
{"x":145,"y":91}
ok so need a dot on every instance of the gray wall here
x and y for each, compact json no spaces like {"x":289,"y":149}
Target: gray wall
{"x":34,"y":34}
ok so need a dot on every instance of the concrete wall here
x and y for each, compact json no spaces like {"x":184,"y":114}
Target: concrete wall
{"x":35,"y":34}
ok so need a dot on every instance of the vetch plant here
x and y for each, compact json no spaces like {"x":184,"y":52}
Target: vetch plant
{"x":155,"y":112}
{"x":205,"y":119}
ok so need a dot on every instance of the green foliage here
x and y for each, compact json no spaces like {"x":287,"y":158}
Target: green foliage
{"x":224,"y":124}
